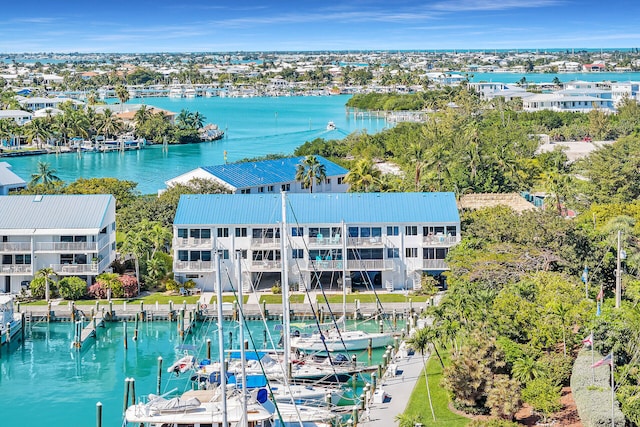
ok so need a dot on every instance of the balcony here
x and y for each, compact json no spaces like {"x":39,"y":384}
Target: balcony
{"x":15,"y":247}
{"x":325,"y":265}
{"x":365,"y":241}
{"x":66,"y":247}
{"x":369,"y":264}
{"x":191,"y":242}
{"x":434,"y":264}
{"x":17,"y":269}
{"x":265,"y":242}
{"x":439,"y":240}
{"x":75,"y":269}
{"x":325,"y":241}
{"x":266,"y":265}
{"x":193,"y":266}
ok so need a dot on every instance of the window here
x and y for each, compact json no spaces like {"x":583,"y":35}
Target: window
{"x":205,"y":255}
{"x":241,"y":231}
{"x":365,"y":254}
{"x":340,"y":180}
{"x":297,"y":231}
{"x":271,"y":189}
{"x":224,"y":254}
{"x":66,"y":258}
{"x":194,"y":256}
{"x":182,"y":233}
{"x":66,"y":239}
{"x":393,"y":253}
{"x":260,"y":189}
{"x":297,"y":253}
{"x":353,"y":231}
{"x":328,"y":181}
{"x":411,"y":252}
{"x":7,"y":259}
{"x":285,"y":187}
{"x":205,"y":233}
{"x":223,"y":232}
{"x":194,"y":233}
{"x":451,"y":231}
{"x":245,"y":191}
{"x":183,"y":255}
{"x":411,"y":230}
{"x":243,"y":254}
{"x":392,"y":230}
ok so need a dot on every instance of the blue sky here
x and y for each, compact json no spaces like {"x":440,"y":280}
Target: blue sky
{"x":225,"y":25}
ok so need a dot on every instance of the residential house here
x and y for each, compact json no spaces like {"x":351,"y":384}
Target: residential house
{"x":8,"y":180}
{"x":267,"y":176}
{"x":359,"y":240}
{"x":75,"y":235}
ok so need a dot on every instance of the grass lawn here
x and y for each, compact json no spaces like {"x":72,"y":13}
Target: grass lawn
{"x":419,"y":403}
{"x":277,"y":299}
{"x":228,"y":298}
{"x":371,"y":298}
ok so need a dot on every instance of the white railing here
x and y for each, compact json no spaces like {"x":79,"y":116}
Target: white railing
{"x":191,"y":242}
{"x":66,"y":246}
{"x":265,"y":241}
{"x":325,"y":264}
{"x":180,"y":266}
{"x":15,"y":247}
{"x":266,"y":265}
{"x":66,"y":269}
{"x":439,"y":240}
{"x":16,"y":268}
{"x":103,"y":241}
{"x":326,"y":241}
{"x":365,"y":241}
{"x":369,"y":264}
{"x":434,"y":264}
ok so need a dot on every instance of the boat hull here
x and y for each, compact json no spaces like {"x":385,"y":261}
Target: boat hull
{"x":351,"y":341}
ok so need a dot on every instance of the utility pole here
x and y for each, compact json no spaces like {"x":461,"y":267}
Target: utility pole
{"x":619,"y":271}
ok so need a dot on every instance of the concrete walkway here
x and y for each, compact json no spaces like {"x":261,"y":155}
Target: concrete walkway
{"x":397,"y":388}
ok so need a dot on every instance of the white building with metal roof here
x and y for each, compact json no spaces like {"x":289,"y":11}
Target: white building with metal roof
{"x":267,"y":176}
{"x":8,"y":180}
{"x":75,"y":235}
{"x":385,"y":240}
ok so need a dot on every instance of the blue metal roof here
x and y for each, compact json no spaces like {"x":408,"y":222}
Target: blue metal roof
{"x":266,"y":172}
{"x":45,"y":212}
{"x":319,"y":208}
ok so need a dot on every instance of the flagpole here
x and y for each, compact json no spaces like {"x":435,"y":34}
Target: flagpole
{"x":593,"y":370}
{"x":613,"y":395}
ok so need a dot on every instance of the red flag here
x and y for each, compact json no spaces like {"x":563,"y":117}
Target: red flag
{"x":600,"y":294}
{"x":588,"y":340}
{"x":608,"y":360}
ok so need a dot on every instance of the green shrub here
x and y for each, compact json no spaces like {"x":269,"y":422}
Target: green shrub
{"x":493,"y":423}
{"x":72,"y":288}
{"x":594,"y":406}
{"x":543,"y":395}
{"x":172,"y":285}
{"x":38,"y":288}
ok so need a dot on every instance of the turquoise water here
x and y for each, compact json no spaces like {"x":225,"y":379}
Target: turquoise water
{"x":44,"y":378}
{"x":254,"y":127}
{"x":548,"y":77}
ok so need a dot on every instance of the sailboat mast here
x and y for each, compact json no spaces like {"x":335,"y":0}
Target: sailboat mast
{"x":243,"y":356}
{"x":344,"y":275}
{"x":285,"y":288}
{"x":223,"y":374}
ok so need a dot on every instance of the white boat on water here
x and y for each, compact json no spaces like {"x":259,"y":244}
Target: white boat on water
{"x":175,"y":90}
{"x":331,"y":126}
{"x":10,"y":322}
{"x":199,"y":408}
{"x":334,"y":340}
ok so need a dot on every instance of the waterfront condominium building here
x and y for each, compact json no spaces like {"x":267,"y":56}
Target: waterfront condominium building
{"x":75,"y":235}
{"x":268,"y":176}
{"x":385,"y":240}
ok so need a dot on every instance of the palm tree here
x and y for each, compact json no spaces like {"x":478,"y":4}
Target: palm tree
{"x":142,"y":115}
{"x":197,"y":120}
{"x":47,"y":273}
{"x":185,"y":118}
{"x":44,"y":175}
{"x":363,"y":176}
{"x":310,"y":171}
{"x":525,"y":369}
{"x":123,"y":95}
{"x":421,"y":341}
{"x":37,"y":130}
{"x":108,"y":123}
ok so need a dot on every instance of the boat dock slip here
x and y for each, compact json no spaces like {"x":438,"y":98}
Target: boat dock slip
{"x":89,"y":330}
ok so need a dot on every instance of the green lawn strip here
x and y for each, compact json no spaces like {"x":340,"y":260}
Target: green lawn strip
{"x":371,"y":298}
{"x":419,"y":403}
{"x":277,"y":299}
{"x":228,"y":298}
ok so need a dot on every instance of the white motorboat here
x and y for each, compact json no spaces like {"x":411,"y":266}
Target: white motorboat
{"x":176,"y":91}
{"x":199,"y":408}
{"x":10,"y":322}
{"x":335,"y":340}
{"x":331,"y":126}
